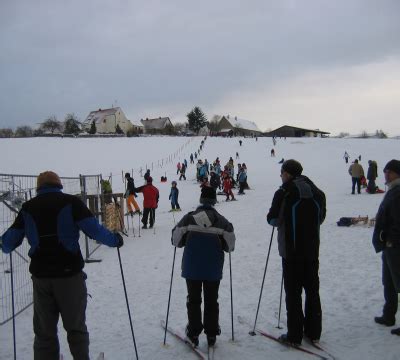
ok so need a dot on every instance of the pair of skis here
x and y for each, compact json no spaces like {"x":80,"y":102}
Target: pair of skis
{"x":322,"y":354}
{"x":198,"y":352}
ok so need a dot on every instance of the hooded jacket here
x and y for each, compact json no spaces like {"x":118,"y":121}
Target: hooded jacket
{"x":205,"y":234}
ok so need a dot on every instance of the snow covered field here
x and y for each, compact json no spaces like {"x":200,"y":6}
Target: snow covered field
{"x":350,"y":271}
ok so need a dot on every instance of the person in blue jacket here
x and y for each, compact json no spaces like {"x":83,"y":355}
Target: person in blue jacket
{"x":205,"y":234}
{"x":173,"y":196}
{"x":51,"y":222}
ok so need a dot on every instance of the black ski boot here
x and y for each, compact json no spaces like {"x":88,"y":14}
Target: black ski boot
{"x":211,"y":340}
{"x":285,"y":339}
{"x":194,"y":339}
{"x":396,"y":332}
{"x":381,"y":320}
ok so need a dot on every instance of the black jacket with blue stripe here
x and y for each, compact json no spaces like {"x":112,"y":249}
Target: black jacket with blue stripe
{"x":51,"y":222}
{"x":298,"y":209}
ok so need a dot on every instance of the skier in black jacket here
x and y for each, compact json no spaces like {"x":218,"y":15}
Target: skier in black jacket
{"x":298,"y":209}
{"x":51,"y":222}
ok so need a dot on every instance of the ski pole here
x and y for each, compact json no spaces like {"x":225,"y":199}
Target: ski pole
{"x":169,"y":296}
{"x":13,"y":306}
{"x":127,"y":302}
{"x":253,"y":332}
{"x":230,"y":272}
{"x":138,"y":224}
{"x":280,"y":305}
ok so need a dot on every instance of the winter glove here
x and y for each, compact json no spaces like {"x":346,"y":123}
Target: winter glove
{"x":120,"y":240}
{"x":273,"y":222}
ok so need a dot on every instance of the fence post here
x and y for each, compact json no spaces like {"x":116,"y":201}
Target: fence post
{"x":82,"y":181}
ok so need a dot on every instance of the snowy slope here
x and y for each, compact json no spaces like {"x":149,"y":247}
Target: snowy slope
{"x":351,"y":290}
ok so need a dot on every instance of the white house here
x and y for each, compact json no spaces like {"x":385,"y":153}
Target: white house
{"x":156,"y":126}
{"x":106,"y":121}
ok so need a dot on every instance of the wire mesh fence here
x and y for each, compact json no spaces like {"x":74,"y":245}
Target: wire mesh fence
{"x":14,"y":191}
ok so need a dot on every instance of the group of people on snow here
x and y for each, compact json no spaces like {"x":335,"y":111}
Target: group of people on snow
{"x":51,"y":221}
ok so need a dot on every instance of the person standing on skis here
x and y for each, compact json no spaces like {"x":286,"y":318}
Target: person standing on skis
{"x":130,"y":195}
{"x":298,"y":209}
{"x":150,"y":202}
{"x":205,"y":235}
{"x":173,"y":196}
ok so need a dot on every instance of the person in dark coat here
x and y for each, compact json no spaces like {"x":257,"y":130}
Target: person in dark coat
{"x":130,"y":195}
{"x":298,"y":209}
{"x":215,"y":181}
{"x":372,"y":174}
{"x":183,"y":172}
{"x":150,"y":202}
{"x":386,"y":239}
{"x":205,"y":234}
{"x":51,"y":222}
{"x":146,"y":175}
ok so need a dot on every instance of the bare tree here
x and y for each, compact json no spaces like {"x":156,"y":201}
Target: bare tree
{"x":6,"y":133}
{"x":51,"y":124}
{"x":24,"y":131}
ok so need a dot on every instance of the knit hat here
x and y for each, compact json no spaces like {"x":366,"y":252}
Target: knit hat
{"x":127,"y":175}
{"x":48,"y":178}
{"x":149,"y":180}
{"x":393,"y":165}
{"x":292,"y":167}
{"x":208,"y":196}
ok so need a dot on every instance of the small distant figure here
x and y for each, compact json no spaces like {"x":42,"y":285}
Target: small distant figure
{"x":178,"y":168}
{"x":173,"y":196}
{"x":359,"y":157}
{"x":228,"y":185}
{"x":185,"y":162}
{"x":237,"y":155}
{"x":191,"y":159}
{"x":372,"y":174}
{"x":183,"y":172}
{"x":146,"y":175}
{"x":256,"y":138}
{"x":274,"y":141}
{"x":240,"y":142}
{"x":282,"y":161}
{"x":272,"y":153}
{"x":195,"y":156}
{"x":346,"y":157}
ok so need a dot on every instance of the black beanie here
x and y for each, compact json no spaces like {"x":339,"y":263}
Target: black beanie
{"x":208,"y":196}
{"x":393,"y":165}
{"x":292,"y":167}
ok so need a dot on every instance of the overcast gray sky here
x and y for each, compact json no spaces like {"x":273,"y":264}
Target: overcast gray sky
{"x":333,"y":65}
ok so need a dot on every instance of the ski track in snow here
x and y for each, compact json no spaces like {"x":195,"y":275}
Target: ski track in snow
{"x":350,"y":271}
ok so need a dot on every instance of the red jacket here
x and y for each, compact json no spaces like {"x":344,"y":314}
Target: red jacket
{"x":227,"y":184}
{"x":150,"y":196}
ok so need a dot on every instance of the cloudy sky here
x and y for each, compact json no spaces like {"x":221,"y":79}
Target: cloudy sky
{"x":333,"y":65}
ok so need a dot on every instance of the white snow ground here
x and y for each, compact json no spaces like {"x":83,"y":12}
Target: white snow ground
{"x":350,"y":271}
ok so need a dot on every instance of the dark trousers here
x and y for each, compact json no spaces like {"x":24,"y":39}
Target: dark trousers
{"x":211,"y":307}
{"x":53,"y":297}
{"x":391,"y":281}
{"x":182,"y":176}
{"x":299,"y":274}
{"x":242,"y":187}
{"x":355,"y":181}
{"x":175,"y":204}
{"x":146,"y":213}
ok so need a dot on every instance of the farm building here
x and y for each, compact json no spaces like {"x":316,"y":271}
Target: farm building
{"x":233,"y":126}
{"x":158,"y":125}
{"x":292,"y":131}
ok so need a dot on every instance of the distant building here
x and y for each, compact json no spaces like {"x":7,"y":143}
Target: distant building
{"x":107,"y":120}
{"x":158,"y":125}
{"x":233,"y":126}
{"x":292,"y":131}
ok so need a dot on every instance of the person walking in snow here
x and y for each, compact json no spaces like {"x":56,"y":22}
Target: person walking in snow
{"x":228,"y":185}
{"x":346,"y":157}
{"x":386,"y":239}
{"x":298,"y":209}
{"x":173,"y":196}
{"x":130,"y":195}
{"x":186,"y":163}
{"x":191,"y":159}
{"x":272,"y":152}
{"x":183,"y":172}
{"x":51,"y":222}
{"x":178,"y":168}
{"x":240,"y":142}
{"x":205,"y":234}
{"x":150,"y":202}
{"x":356,"y":172}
